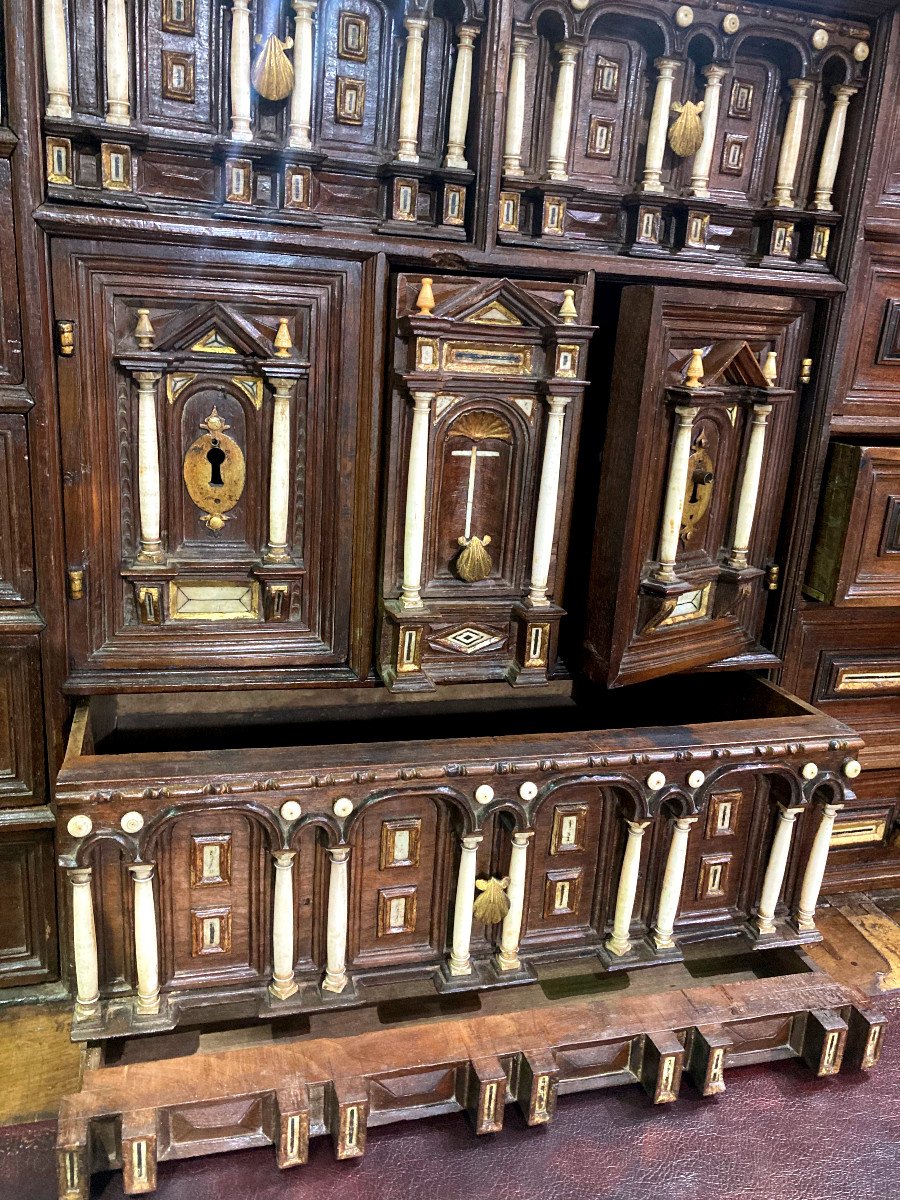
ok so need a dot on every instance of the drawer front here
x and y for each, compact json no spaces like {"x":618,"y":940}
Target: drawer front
{"x":856,"y":550}
{"x":21,"y":748}
{"x":16,"y":563}
{"x":865,"y":841}
{"x":28,"y":953}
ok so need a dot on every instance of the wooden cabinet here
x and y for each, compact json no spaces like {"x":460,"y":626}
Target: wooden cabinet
{"x":855,"y":557}
{"x":704,"y":406}
{"x":16,"y":555}
{"x":21,"y":744}
{"x":217,"y":465}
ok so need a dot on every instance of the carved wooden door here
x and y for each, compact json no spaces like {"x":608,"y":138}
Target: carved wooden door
{"x":704,"y":411}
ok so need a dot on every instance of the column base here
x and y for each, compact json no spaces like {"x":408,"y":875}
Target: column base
{"x":618,"y":946}
{"x":455,"y":163}
{"x":87,"y":1012}
{"x":242,"y":135}
{"x":340,"y":987}
{"x":505,"y":963}
{"x":640,"y":953}
{"x":803,"y":924}
{"x":283,"y":990}
{"x":476,"y":978}
{"x":58,"y":108}
{"x":147,"y":1008}
{"x":118,"y":118}
{"x":152,"y":552}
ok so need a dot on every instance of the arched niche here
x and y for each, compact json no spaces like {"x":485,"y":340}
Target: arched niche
{"x":113,"y":899}
{"x":356,"y":57}
{"x":399,"y":881}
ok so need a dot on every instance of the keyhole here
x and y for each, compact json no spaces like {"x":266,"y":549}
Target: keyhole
{"x":699,"y":479}
{"x":215,"y":456}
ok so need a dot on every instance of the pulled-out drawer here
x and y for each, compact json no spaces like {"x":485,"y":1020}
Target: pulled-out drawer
{"x":216,"y":867}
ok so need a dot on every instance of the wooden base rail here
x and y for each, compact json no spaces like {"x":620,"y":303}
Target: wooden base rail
{"x":133,"y":1116}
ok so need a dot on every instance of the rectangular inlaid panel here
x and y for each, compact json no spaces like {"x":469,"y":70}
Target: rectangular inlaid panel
{"x":210,"y":860}
{"x":211,"y":930}
{"x":400,"y":843}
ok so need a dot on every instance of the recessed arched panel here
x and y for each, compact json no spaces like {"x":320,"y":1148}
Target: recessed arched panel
{"x":113,"y":916}
{"x":399,"y":882}
{"x":215,"y":900}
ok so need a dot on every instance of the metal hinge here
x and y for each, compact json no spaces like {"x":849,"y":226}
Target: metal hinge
{"x":806,"y":369}
{"x":76,"y":583}
{"x":773,"y":573}
{"x":65,"y":338}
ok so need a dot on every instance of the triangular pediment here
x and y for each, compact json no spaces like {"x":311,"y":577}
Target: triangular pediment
{"x":215,"y":331}
{"x":729,"y":362}
{"x":500,"y":304}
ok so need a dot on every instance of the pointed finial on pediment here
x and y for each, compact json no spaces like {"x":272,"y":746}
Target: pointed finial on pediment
{"x":283,"y":343}
{"x":144,"y":333}
{"x":425,"y":298}
{"x":568,"y":313}
{"x":694,"y":372}
{"x":770,"y":368}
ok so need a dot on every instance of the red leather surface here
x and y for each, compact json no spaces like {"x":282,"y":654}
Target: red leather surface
{"x":776,"y":1134}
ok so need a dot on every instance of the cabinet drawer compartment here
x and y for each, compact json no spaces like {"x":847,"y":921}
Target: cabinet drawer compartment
{"x":279,"y":876}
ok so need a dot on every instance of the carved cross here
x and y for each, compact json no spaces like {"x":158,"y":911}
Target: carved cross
{"x":473,"y":456}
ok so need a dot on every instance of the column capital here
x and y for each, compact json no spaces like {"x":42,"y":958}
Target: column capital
{"x":685,"y":822}
{"x":557,"y":404}
{"x":422,"y":400}
{"x":800,"y":87}
{"x":79,"y":876}
{"x":471,"y":841}
{"x":415,"y":26}
{"x":686,"y":413}
{"x":789,"y":812}
{"x":522,"y":837}
{"x":241,"y":6}
{"x":142,"y":871}
{"x":830,"y":810}
{"x":714,"y":74}
{"x":467,"y":33}
{"x":568,"y":51}
{"x":844,"y":92}
{"x":338,"y":854}
{"x":520,"y":45}
{"x":762,"y":408}
{"x":637,"y":827}
{"x":284,"y":859}
{"x":146,"y":376}
{"x":305,"y":8}
{"x":667,"y":66}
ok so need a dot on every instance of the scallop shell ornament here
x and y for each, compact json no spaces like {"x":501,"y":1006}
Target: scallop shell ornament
{"x":493,"y":903}
{"x":273,"y":72}
{"x":686,"y":134}
{"x":474,"y":562}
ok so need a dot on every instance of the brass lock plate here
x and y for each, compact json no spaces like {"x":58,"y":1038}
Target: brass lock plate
{"x":214,"y":472}
{"x":699,"y":491}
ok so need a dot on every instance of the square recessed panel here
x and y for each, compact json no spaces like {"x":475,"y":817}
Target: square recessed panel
{"x":722,"y":814}
{"x":210,"y":931}
{"x":733,"y":149}
{"x":713,"y":880}
{"x":178,"y":16}
{"x":569,"y":826}
{"x":115,"y":167}
{"x":562,"y":893}
{"x":396,"y":911}
{"x":740,"y":102}
{"x":349,"y":100}
{"x":353,"y":37}
{"x":606,"y":79}
{"x":600,"y":137}
{"x":210,"y":859}
{"x":400,"y":843}
{"x":178,"y":75}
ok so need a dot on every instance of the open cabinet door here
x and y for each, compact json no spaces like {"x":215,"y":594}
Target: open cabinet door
{"x":702,"y":421}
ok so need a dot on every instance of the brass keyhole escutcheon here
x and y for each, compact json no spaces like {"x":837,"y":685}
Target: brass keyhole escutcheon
{"x":214,"y":472}
{"x":699,"y":491}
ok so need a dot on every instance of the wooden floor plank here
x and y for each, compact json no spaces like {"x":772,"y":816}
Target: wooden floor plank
{"x":39,"y":1063}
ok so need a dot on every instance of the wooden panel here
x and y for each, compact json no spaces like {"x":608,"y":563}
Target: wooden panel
{"x":855,"y":557}
{"x":21,"y":741}
{"x":399,"y":869}
{"x":16,"y":562}
{"x":872,"y":400}
{"x":10,"y":325}
{"x":28,"y":953}
{"x":865,"y":842}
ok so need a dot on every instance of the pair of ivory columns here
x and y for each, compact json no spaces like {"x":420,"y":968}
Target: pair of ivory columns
{"x":416,"y":496}
{"x":149,"y":488}
{"x":146,"y":950}
{"x":507,"y":956}
{"x":676,"y":487}
{"x":284,"y":984}
{"x":117,"y":62}
{"x":563,"y":110}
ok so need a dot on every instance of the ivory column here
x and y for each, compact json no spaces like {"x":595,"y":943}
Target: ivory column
{"x":87,"y":1000}
{"x":460,"y":958}
{"x":673,"y":881}
{"x":545,"y":520}
{"x":56,"y":60}
{"x":791,"y":141}
{"x":558,"y":156}
{"x":508,"y":955}
{"x":815,"y":869}
{"x":831,"y":151}
{"x":146,"y":951}
{"x":300,"y":125}
{"x":673,"y":507}
{"x":118,"y":106}
{"x":411,"y":90}
{"x":700,"y":168}
{"x":743,"y":525}
{"x":774,"y":877}
{"x":148,"y":468}
{"x":515,"y":109}
{"x":619,"y":941}
{"x":283,"y":984}
{"x":416,"y":481}
{"x":659,"y":125}
{"x":280,"y":468}
{"x":459,"y":101}
{"x":336,"y":941}
{"x":240,"y":71}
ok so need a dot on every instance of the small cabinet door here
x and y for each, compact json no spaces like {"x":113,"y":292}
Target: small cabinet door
{"x":702,"y":420}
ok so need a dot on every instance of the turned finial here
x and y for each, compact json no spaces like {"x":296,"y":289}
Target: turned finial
{"x":568,"y":313}
{"x":283,"y":343}
{"x":694,"y":372}
{"x":425,"y":298}
{"x":144,"y":333}
{"x":770,"y":368}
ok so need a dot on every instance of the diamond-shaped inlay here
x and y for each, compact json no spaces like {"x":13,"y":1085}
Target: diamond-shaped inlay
{"x":468,"y":640}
